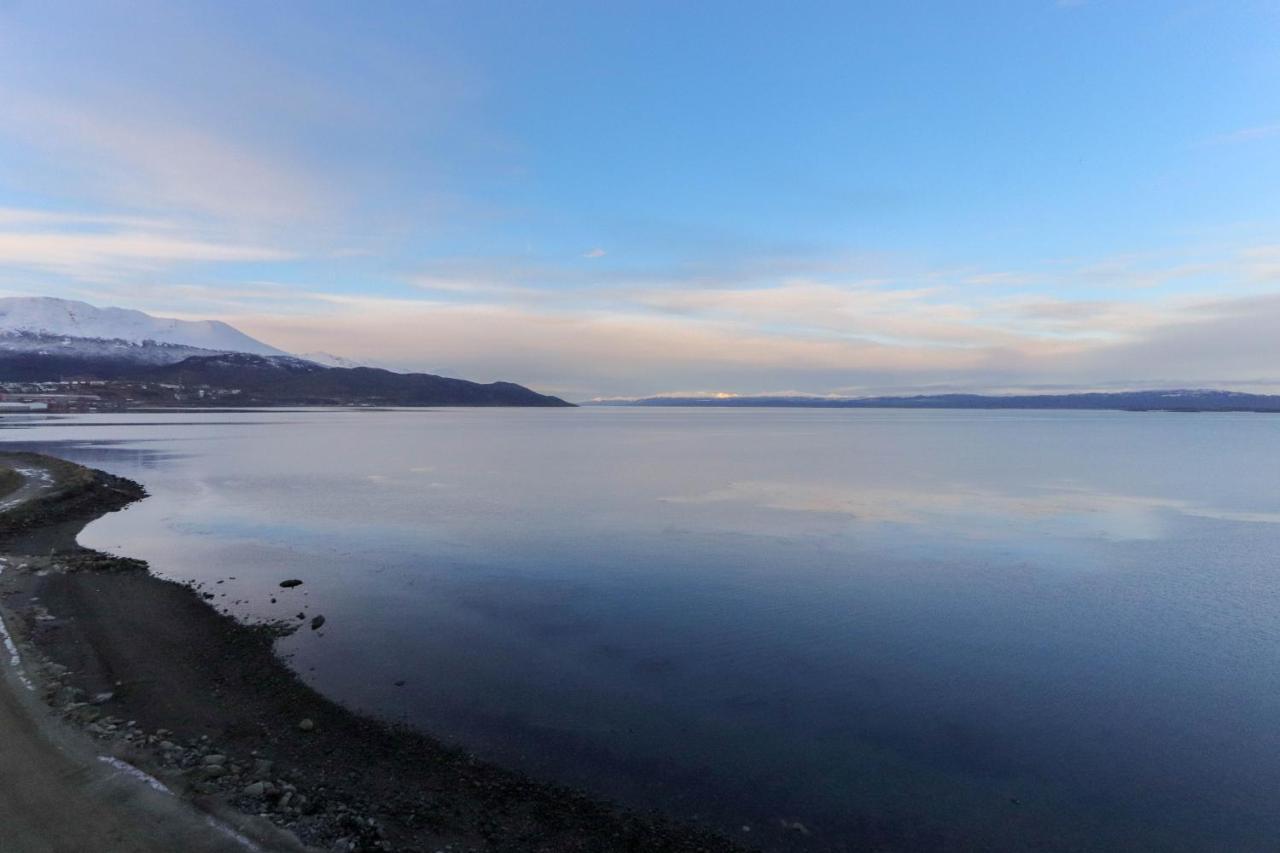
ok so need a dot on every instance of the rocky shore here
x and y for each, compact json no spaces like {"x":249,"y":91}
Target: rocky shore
{"x":201,"y":704}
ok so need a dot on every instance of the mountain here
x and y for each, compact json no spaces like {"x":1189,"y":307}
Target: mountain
{"x":80,"y":356}
{"x":1182,"y":400}
{"x":242,"y":379}
{"x":27,"y":322}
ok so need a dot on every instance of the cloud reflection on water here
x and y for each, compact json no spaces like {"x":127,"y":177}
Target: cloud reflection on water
{"x":977,"y":513}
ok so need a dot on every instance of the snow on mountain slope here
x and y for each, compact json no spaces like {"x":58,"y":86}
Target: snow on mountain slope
{"x":328,"y":359}
{"x":23,"y":317}
{"x":97,"y":349}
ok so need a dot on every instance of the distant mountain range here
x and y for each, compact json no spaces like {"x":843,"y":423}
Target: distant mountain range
{"x":132,"y":358}
{"x":1191,"y":400}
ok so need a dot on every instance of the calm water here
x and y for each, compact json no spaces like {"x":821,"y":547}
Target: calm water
{"x":937,"y":630}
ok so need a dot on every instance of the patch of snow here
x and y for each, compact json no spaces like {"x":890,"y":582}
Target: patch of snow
{"x":327,"y":359}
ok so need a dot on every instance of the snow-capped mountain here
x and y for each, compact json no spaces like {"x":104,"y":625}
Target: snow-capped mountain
{"x":28,"y":323}
{"x":134,"y":359}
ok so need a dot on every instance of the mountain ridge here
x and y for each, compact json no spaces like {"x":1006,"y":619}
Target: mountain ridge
{"x":1181,"y":399}
{"x":61,"y":319}
{"x":245,"y":379}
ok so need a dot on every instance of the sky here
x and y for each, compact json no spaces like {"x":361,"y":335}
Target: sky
{"x":603,"y":199}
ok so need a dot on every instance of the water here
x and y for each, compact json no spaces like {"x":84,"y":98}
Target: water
{"x":915,"y":630}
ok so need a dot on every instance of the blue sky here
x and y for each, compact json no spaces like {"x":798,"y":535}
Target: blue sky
{"x":635,"y":198}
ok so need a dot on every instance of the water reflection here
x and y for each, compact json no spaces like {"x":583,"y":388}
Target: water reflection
{"x":972,"y":513}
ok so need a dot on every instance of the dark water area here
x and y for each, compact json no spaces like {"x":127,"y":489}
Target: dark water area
{"x":817,"y":630}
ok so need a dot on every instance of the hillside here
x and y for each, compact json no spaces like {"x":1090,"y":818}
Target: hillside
{"x":242,"y":379}
{"x":289,"y":381}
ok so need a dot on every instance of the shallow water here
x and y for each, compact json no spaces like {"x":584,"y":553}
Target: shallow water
{"x":937,"y":630}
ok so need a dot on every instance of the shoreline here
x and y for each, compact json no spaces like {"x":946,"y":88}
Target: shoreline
{"x":203,"y":703}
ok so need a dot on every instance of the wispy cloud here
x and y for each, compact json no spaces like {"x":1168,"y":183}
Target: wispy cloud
{"x":104,"y":246}
{"x":1246,"y":134}
{"x":474,"y":288}
{"x":16,"y":217}
{"x":594,"y":253}
{"x":143,"y":160}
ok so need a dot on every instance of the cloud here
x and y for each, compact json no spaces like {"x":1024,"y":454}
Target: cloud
{"x":594,"y":253}
{"x":594,"y":351}
{"x":1246,"y":134}
{"x":17,"y":216}
{"x":138,"y":158}
{"x":288,"y":122}
{"x":566,"y":348}
{"x":470,"y":287}
{"x":1208,"y":340}
{"x":1261,"y":265}
{"x":104,"y":246}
